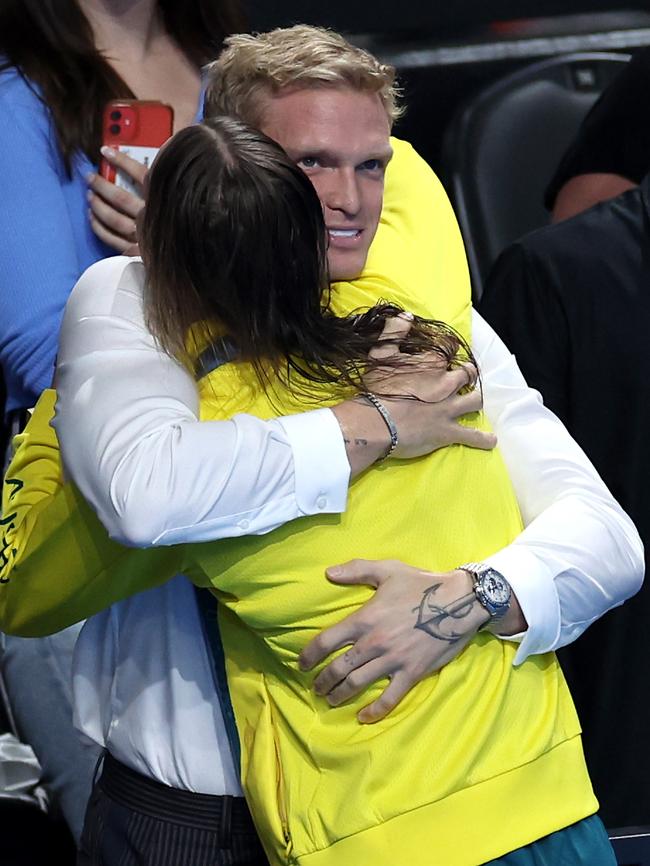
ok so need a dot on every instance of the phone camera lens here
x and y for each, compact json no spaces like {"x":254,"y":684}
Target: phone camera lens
{"x":115,"y":129}
{"x":116,"y":115}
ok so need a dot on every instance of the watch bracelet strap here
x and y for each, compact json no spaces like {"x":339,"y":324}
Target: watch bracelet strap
{"x":474,"y":569}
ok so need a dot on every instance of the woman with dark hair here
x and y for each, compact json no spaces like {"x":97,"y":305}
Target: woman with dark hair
{"x":235,"y":284}
{"x":60,"y":62}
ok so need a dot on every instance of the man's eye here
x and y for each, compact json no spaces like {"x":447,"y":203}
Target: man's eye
{"x":308,"y":162}
{"x":372,"y":165}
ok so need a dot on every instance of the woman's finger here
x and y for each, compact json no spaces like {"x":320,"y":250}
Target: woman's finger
{"x":395,"y":329}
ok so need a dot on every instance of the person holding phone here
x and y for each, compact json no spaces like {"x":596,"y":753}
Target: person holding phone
{"x":60,"y":62}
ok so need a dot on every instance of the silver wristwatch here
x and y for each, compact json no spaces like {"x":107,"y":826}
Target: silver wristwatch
{"x":491,"y":589}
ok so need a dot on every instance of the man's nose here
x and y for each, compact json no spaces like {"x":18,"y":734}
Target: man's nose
{"x":343,"y":193}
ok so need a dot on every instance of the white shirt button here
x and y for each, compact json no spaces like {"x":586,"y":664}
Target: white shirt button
{"x":321,"y":502}
{"x":244,"y":524}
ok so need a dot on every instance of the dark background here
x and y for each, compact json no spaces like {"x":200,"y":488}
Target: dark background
{"x":446,"y":51}
{"x":437,"y":17}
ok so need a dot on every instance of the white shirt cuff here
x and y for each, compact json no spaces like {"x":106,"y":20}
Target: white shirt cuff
{"x":321,"y":484}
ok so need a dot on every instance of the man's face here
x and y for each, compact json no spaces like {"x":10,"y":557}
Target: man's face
{"x":340,"y":138}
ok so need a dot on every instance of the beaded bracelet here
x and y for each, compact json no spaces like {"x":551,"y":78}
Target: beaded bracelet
{"x":388,"y":420}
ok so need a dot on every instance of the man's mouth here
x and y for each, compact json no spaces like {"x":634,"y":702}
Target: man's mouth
{"x":344,"y":233}
{"x":343,"y":237}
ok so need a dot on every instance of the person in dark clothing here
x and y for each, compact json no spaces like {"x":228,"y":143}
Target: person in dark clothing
{"x":611,"y":152}
{"x":572,"y":301}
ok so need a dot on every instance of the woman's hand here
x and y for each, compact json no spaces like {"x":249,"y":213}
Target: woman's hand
{"x":424,"y":424}
{"x":426,"y":398}
{"x":113,"y":211}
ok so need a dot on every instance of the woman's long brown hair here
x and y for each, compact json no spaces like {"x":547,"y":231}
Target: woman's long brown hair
{"x":233,"y":237}
{"x":50,"y":43}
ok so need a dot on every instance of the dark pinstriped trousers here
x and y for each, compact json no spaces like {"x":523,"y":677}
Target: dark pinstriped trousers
{"x":135,"y":821}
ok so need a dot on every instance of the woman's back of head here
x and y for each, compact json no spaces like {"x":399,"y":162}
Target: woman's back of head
{"x":232,"y":232}
{"x":234,"y":243}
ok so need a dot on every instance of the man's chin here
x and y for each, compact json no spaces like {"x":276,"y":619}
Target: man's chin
{"x":344,"y":268}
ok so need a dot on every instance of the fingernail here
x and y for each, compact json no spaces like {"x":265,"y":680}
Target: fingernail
{"x":89,"y":195}
{"x":406,"y":314}
{"x":105,"y":150}
{"x":90,"y":177}
{"x":334,"y":571}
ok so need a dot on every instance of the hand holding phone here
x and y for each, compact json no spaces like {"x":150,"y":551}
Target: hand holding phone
{"x":133,"y":130}
{"x":136,"y":128}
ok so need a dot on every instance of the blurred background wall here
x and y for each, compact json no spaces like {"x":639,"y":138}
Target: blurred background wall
{"x":448,"y":50}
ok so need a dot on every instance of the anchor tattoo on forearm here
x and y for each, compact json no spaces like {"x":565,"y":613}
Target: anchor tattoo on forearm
{"x":438,"y":620}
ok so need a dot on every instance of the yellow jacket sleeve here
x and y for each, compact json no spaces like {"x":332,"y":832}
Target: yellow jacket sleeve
{"x":58,"y":564}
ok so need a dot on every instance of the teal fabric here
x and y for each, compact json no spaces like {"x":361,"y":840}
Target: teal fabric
{"x":581,"y":844}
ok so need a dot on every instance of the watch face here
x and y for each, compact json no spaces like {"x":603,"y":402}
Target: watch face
{"x":496,"y":588}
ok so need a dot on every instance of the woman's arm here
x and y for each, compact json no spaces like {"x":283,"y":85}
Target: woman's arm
{"x":127,"y":419}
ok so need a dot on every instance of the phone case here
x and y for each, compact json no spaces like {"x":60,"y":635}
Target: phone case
{"x":137,"y":128}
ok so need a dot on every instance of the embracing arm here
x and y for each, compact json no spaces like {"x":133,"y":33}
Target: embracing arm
{"x":578,"y":556}
{"x":127,"y":421}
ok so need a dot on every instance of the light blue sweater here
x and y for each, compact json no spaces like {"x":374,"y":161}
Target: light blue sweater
{"x":47,"y":241}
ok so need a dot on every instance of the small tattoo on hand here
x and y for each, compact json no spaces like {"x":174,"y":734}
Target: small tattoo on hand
{"x":438,"y":621}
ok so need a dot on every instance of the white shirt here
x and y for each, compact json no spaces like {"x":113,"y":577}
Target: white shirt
{"x":139,"y":445}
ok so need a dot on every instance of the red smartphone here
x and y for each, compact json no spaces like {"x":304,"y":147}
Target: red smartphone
{"x":137,"y":128}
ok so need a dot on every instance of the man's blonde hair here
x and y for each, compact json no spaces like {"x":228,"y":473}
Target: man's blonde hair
{"x":252,"y":67}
